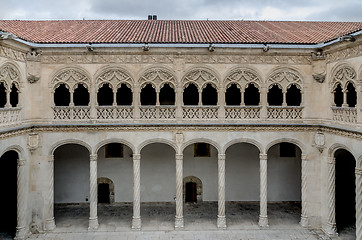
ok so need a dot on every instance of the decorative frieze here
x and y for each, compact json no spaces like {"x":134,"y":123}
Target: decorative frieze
{"x":344,"y":54}
{"x":12,"y":54}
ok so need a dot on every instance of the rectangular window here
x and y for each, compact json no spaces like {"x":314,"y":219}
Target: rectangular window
{"x":202,"y":150}
{"x":287,"y":150}
{"x":114,"y":150}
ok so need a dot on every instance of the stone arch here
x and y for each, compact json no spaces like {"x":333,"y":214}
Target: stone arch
{"x":203,"y":140}
{"x":332,"y":149}
{"x":157,"y":77}
{"x":289,"y":140}
{"x":113,"y":140}
{"x":199,"y":188}
{"x":342,"y":73}
{"x":72,"y":76}
{"x":243,"y":76}
{"x":284,"y":77}
{"x":69,"y":141}
{"x":156,"y":140}
{"x":244,"y":140}
{"x":359,"y":162}
{"x":115,"y":76}
{"x":108,"y":181}
{"x":9,"y":75}
{"x":201,"y":76}
{"x":16,"y":148}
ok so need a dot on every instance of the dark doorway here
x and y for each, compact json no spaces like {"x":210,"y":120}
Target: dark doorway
{"x":191,"y":194}
{"x":345,"y":190}
{"x":8,"y":201}
{"x":103,"y":193}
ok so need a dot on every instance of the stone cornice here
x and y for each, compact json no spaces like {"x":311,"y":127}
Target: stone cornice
{"x":356,"y":134}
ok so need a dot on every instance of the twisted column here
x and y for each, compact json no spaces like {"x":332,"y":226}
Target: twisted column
{"x":21,"y":230}
{"x":49,"y":221}
{"x":358,"y":203}
{"x":331,"y":224}
{"x":93,"y":192}
{"x":136,"y":219}
{"x":263,"y":217}
{"x":221,"y":219}
{"x":304,"y":217}
{"x":179,"y":219}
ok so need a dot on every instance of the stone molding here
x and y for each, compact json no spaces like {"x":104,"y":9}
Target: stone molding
{"x":12,"y":54}
{"x":344,"y":54}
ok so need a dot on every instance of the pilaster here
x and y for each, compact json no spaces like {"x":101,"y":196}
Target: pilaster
{"x":49,"y":224}
{"x":21,"y":229}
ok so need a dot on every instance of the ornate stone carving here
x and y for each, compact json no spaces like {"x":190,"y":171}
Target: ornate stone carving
{"x":359,"y":203}
{"x":179,"y":221}
{"x":33,"y":141}
{"x":9,"y":74}
{"x":342,"y":75}
{"x":12,"y":54}
{"x":221,"y":218}
{"x":304,"y":216}
{"x":319,"y":141}
{"x":285,"y":78}
{"x":344,"y":54}
{"x":263,"y":216}
{"x":242,"y":77}
{"x":71,"y":77}
{"x":49,"y":224}
{"x":21,"y":229}
{"x":200,"y":77}
{"x":179,"y":138}
{"x":33,"y":66}
{"x":158,"y":77}
{"x":331,"y":224}
{"x":93,"y":193}
{"x":319,"y":77}
{"x":136,"y":219}
{"x":115,"y":77}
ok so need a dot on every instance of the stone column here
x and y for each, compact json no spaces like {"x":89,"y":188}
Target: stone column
{"x":21,"y":229}
{"x":221,"y":103}
{"x":359,"y":104}
{"x":114,"y":97}
{"x":179,"y":218}
{"x":49,"y":221}
{"x":93,"y":102}
{"x":136,"y":219}
{"x":71,"y":103}
{"x":158,"y":97}
{"x":242,"y":94}
{"x":200,"y":97}
{"x":93,"y":192}
{"x":358,"y":203}
{"x":284,"y":104}
{"x":263,"y":217}
{"x":221,"y":219}
{"x":331,"y":224}
{"x":304,"y":217}
{"x":8,"y":105}
{"x":179,"y":102}
{"x":136,"y":102}
{"x":345,"y":98}
{"x":263,"y":102}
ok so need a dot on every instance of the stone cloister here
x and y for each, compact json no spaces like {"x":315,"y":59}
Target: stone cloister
{"x":144,"y":123}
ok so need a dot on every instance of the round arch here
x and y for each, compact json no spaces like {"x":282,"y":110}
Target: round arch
{"x":69,"y":141}
{"x":113,"y":140}
{"x":332,"y":149}
{"x":104,"y":180}
{"x":289,"y":140}
{"x":156,"y":140}
{"x":244,"y":140}
{"x":202,"y":140}
{"x":18,"y":149}
{"x":199,"y":189}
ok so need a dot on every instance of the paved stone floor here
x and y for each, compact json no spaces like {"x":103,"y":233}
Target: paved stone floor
{"x":200,"y":223}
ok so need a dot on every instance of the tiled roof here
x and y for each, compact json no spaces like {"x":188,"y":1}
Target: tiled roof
{"x":177,"y":31}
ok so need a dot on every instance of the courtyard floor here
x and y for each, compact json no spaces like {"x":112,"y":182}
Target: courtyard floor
{"x":200,"y":223}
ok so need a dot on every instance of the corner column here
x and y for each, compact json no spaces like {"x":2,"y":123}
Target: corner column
{"x":263,"y":217}
{"x":221,"y":219}
{"x":358,"y":203}
{"x":93,"y":192}
{"x":136,"y":219}
{"x":304,"y":217}
{"x":49,"y":221}
{"x":21,"y":229}
{"x":331,"y":224}
{"x":179,"y":218}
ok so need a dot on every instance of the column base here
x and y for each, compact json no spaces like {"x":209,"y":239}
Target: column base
{"x":49,"y":224}
{"x":304,"y":221}
{"x":93,"y":224}
{"x":263,"y":221}
{"x":136,"y":223}
{"x":221,"y":222}
{"x":331,"y":230}
{"x":21,"y":233}
{"x":179,"y":222}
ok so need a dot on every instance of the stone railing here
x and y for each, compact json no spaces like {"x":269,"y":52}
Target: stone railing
{"x":71,"y":113}
{"x":242,"y":112}
{"x":10,"y":116}
{"x":114,"y":112}
{"x":157,"y":112}
{"x":344,"y":114}
{"x":284,"y":112}
{"x":200,"y":112}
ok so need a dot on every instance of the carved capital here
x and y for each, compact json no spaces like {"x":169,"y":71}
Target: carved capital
{"x":179,"y":157}
{"x":221,"y":157}
{"x":359,"y":171}
{"x":93,"y":157}
{"x":319,"y":55}
{"x":136,"y":157}
{"x":304,"y":157}
{"x":331,"y":160}
{"x":32,"y":78}
{"x":51,"y":158}
{"x":319,"y":77}
{"x":21,"y":162}
{"x":263,"y":156}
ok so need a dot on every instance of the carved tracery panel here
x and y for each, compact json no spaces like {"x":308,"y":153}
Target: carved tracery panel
{"x":157,"y":77}
{"x":115,"y":77}
{"x":343,"y":75}
{"x":201,"y":78}
{"x":71,"y":77}
{"x":10,"y":75}
{"x":284,"y":78}
{"x":242,"y":78}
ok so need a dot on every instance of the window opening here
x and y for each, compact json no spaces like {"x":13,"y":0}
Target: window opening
{"x":167,"y":95}
{"x":275,"y":96}
{"x":2,"y":95}
{"x":287,"y":150}
{"x":294,"y":96}
{"x":338,"y":96}
{"x":114,"y":150}
{"x":103,"y":193}
{"x":209,"y":95}
{"x":105,"y":95}
{"x":124,"y":95}
{"x":202,"y":150}
{"x":62,"y":96}
{"x":191,"y":193}
{"x":233,"y":95}
{"x":191,"y":95}
{"x":351,"y":95}
{"x":148,"y":95}
{"x":81,"y":96}
{"x":251,"y":95}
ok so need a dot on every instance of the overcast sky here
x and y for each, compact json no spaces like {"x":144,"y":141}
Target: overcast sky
{"x":315,"y":10}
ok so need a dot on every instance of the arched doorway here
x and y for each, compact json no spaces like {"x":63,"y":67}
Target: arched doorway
{"x":71,"y":186}
{"x":284,"y":184}
{"x":8,"y":199}
{"x":242,"y":185}
{"x":345,"y":192}
{"x":192,"y":189}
